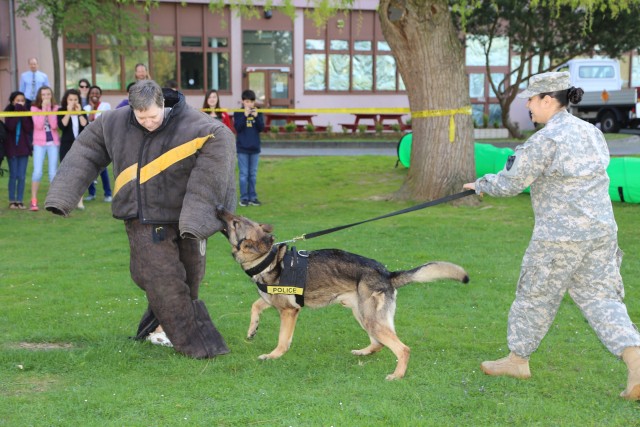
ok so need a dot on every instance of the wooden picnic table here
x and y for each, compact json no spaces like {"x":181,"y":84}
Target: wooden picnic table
{"x":374,"y":120}
{"x":300,"y":120}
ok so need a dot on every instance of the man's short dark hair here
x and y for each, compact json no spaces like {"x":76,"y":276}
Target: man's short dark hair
{"x":249,"y":94}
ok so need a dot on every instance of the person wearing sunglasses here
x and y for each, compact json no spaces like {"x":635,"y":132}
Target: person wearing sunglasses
{"x":83,"y":87}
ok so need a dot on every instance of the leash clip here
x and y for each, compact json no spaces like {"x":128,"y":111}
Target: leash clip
{"x":295,"y":239}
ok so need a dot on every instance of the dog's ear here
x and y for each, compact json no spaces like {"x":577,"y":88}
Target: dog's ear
{"x":267,"y":228}
{"x":266,"y":242}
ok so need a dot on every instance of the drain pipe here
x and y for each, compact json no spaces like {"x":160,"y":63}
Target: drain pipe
{"x":14,"y":59}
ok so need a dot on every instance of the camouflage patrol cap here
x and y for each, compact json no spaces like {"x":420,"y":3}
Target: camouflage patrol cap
{"x":546,"y":82}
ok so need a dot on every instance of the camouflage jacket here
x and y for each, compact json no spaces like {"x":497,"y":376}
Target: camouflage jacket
{"x":565,"y":163}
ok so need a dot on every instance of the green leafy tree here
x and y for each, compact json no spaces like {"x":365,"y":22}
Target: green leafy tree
{"x":79,"y":18}
{"x":551,"y":36}
{"x":425,"y":40}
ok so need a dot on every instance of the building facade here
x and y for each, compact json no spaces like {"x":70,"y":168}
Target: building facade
{"x":289,"y":63}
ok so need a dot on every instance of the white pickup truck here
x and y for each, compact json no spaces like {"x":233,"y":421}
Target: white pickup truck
{"x":604,"y":100}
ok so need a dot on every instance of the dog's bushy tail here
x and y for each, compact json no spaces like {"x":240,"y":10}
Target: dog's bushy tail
{"x":429,"y":272}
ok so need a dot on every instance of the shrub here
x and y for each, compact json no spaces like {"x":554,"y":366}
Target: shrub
{"x":310,"y":128}
{"x":275,"y":130}
{"x":290,"y":127}
{"x":362,"y":128}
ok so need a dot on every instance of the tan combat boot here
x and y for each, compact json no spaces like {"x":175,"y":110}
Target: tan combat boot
{"x":631,"y":356}
{"x":512,"y":366}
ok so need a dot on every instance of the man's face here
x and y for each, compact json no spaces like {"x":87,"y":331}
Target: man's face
{"x":33,"y":64}
{"x":151,"y":118}
{"x":141,"y":72}
{"x":94,"y":95}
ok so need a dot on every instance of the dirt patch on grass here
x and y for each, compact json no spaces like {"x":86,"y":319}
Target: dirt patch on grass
{"x":44,"y":345}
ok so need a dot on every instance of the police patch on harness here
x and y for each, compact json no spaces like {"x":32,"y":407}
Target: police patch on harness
{"x":285,"y":290}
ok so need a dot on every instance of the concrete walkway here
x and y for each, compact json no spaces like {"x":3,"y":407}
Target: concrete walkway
{"x":618,"y":147}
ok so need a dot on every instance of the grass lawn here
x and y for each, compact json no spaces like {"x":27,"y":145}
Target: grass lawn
{"x":68,"y":308}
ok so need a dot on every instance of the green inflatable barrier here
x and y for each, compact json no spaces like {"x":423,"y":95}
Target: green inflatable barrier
{"x":404,"y":149}
{"x":624,"y":172}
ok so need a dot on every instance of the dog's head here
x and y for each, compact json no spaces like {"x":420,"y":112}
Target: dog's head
{"x":249,"y":240}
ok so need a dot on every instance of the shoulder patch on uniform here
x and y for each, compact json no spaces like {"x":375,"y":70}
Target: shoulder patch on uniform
{"x":510,"y":161}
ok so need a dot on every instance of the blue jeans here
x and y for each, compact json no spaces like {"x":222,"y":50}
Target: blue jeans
{"x":248,"y":167}
{"x":39,"y":152}
{"x":106,"y":185}
{"x":17,"y":177}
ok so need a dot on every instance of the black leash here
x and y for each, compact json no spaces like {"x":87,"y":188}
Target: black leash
{"x":403,"y":211}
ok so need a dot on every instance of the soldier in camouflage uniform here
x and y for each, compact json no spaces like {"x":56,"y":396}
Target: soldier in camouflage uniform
{"x":574,"y":245}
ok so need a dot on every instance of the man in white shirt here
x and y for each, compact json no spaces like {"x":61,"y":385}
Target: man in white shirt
{"x":31,"y":81}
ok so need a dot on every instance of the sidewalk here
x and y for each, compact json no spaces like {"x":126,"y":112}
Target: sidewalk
{"x":618,"y":147}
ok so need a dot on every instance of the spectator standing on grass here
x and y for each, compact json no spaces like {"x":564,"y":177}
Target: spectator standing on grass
{"x":17,"y":146}
{"x":574,"y":247}
{"x":71,"y":124}
{"x":248,"y":123}
{"x":95,"y":108}
{"x":83,"y":87}
{"x":46,"y":140}
{"x":173,"y":166}
{"x":31,"y":81}
{"x":212,"y":101}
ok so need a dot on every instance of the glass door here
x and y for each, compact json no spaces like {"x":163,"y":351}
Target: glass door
{"x":271,"y":87}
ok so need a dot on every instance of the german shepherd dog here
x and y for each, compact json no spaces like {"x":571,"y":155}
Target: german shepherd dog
{"x":333,"y":277}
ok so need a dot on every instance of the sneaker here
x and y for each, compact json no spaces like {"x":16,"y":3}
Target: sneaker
{"x":255,"y":202}
{"x":159,"y":338}
{"x":21,"y":206}
{"x":89,"y":198}
{"x":243,"y":203}
{"x":108,"y":199}
{"x":34,"y":205}
{"x":13,"y":205}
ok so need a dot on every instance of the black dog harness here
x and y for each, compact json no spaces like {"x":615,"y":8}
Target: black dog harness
{"x":293,"y":274}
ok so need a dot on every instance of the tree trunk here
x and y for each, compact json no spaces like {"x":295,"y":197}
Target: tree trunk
{"x":430,"y":59}
{"x":57,"y":87}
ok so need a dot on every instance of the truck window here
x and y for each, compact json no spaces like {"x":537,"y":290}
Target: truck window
{"x":596,"y":72}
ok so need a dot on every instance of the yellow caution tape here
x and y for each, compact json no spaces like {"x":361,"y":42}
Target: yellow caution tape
{"x":414,"y":114}
{"x":44,"y":113}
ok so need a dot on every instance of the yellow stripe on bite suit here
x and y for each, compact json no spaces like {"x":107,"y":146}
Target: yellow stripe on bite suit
{"x":160,"y":164}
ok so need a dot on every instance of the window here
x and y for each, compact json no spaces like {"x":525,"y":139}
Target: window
{"x":349,"y":55}
{"x":164,"y":58}
{"x":219,"y":73}
{"x":476,"y":85}
{"x":191,"y":63}
{"x":197,"y":55}
{"x":267,"y":47}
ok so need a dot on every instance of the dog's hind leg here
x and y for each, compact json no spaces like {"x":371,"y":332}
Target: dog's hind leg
{"x":288,"y":318}
{"x":388,"y":337}
{"x":256,"y":310}
{"x":374,"y":347}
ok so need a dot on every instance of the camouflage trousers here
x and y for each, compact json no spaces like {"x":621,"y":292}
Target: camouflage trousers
{"x":590,"y":272}
{"x":169,"y":269}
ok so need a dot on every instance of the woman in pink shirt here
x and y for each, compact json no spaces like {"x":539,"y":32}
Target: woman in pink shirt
{"x":45,"y":140}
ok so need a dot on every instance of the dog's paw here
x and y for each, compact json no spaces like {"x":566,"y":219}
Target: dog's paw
{"x":159,"y":338}
{"x":392,"y":377}
{"x":252,"y":333}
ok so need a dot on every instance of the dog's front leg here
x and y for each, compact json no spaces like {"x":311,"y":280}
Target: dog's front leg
{"x":256,"y":310}
{"x":288,"y":318}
